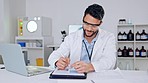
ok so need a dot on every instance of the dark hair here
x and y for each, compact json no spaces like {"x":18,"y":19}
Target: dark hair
{"x":95,"y":11}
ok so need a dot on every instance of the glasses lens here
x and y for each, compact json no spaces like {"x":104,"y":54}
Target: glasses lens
{"x":86,"y":24}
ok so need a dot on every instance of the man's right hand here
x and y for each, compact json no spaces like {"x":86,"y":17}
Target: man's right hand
{"x":62,"y":63}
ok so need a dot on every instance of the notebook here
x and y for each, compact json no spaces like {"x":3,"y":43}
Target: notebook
{"x":13,"y":59}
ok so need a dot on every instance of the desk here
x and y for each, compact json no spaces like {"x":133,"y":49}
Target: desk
{"x":53,"y":46}
{"x":111,"y":76}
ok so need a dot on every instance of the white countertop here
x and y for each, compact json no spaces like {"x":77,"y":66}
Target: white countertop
{"x":110,"y":76}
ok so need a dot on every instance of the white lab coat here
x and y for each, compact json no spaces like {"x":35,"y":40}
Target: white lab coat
{"x":104,"y":52}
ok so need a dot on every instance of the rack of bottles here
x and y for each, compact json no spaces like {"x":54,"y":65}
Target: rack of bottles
{"x":132,"y":46}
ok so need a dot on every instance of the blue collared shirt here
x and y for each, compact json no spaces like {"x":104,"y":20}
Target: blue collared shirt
{"x":84,"y":54}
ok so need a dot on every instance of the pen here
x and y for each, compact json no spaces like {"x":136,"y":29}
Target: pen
{"x":92,"y":81}
{"x":2,"y":67}
{"x":64,"y":56}
{"x":68,"y":67}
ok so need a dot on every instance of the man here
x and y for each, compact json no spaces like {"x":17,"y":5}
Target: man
{"x":87,"y":50}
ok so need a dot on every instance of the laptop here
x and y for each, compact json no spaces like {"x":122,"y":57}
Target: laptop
{"x":13,"y":59}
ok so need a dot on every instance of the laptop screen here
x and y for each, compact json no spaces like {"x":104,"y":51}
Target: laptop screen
{"x":13,"y":58}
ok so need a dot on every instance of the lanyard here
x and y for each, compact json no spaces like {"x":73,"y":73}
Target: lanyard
{"x":89,"y":55}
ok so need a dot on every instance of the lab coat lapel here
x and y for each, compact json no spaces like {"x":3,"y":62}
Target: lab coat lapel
{"x":77,"y":48}
{"x":97,"y":44}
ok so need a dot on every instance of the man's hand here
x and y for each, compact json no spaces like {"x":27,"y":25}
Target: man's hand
{"x":83,"y":67}
{"x":62,"y":63}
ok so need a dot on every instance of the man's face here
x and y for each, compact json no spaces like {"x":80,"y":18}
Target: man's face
{"x":90,"y":25}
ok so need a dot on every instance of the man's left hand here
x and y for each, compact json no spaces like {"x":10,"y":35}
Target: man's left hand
{"x":82,"y":67}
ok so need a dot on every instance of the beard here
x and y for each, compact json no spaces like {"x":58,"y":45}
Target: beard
{"x":93,"y":33}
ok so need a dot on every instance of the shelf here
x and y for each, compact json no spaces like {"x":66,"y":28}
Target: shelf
{"x":135,"y":61}
{"x":125,"y":41}
{"x":32,"y":48}
{"x":132,"y":41}
{"x":130,"y":58}
{"x":125,"y":25}
{"x":141,"y":41}
{"x":29,"y":38}
{"x":141,"y":25}
{"x":35,"y":47}
{"x":141,"y":58}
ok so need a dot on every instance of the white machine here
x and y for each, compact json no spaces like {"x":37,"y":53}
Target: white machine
{"x":34,"y":26}
{"x":73,"y":28}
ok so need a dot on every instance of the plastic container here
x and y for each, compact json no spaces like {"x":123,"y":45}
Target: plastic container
{"x":22,"y":44}
{"x":39,"y":62}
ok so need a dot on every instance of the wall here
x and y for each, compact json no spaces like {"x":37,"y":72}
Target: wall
{"x":4,"y":20}
{"x":3,"y":36}
{"x":1,"y":29}
{"x":65,"y":12}
{"x":10,"y":10}
{"x":17,"y":8}
{"x":1,"y":19}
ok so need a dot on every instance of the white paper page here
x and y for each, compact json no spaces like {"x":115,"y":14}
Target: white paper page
{"x":67,"y":72}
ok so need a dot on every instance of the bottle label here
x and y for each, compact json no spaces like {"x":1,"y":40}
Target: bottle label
{"x":119,"y":53}
{"x":138,"y":37}
{"x":131,"y":53}
{"x":124,"y":36}
{"x":119,"y":37}
{"x":143,"y":37}
{"x":137,"y":53}
{"x":143,"y":53}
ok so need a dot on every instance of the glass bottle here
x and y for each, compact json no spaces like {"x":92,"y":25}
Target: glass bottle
{"x":119,"y":52}
{"x":138,"y":36}
{"x":137,"y":52}
{"x":131,"y":52}
{"x":130,"y":36}
{"x":124,"y":36}
{"x":147,"y":53}
{"x":120,"y":65}
{"x":124,"y":52}
{"x":143,"y":35}
{"x":143,"y":52}
{"x":120,"y":36}
{"x":147,"y":36}
{"x":128,"y":66}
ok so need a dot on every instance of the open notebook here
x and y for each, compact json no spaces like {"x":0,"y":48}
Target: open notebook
{"x":13,"y":59}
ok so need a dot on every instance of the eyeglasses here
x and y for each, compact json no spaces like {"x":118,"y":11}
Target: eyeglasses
{"x":86,"y":24}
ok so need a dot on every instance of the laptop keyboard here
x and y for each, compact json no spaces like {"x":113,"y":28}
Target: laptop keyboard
{"x":37,"y":70}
